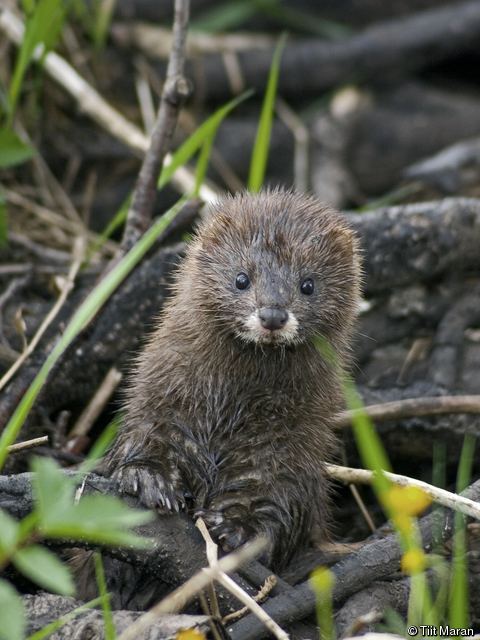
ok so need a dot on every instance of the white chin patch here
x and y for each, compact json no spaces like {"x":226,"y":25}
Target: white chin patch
{"x":256,"y":333}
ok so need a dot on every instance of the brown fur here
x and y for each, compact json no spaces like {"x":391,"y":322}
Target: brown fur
{"x":232,"y":423}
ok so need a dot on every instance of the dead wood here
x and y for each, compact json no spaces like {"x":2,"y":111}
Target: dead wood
{"x":388,"y":48}
{"x":419,"y":242}
{"x":45,"y":608}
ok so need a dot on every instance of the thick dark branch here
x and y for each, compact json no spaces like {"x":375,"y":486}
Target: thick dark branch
{"x":175,"y":91}
{"x":312,"y":66}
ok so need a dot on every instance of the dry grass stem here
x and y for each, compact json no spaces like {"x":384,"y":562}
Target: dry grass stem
{"x":28,"y":444}
{"x":78,"y":254}
{"x":96,"y":107}
{"x":234,"y":588}
{"x":96,"y":405}
{"x":176,"y":600}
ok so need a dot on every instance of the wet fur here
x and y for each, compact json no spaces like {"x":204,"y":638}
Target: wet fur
{"x":220,"y":423}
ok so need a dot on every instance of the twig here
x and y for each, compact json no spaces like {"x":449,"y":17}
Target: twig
{"x":92,"y":103}
{"x":28,"y":444}
{"x":411,"y":407}
{"x":232,"y":586}
{"x":78,"y":252}
{"x":443,"y":497}
{"x":54,"y":219}
{"x":175,"y":91}
{"x":96,"y":404}
{"x":262,"y":594}
{"x":176,"y":600}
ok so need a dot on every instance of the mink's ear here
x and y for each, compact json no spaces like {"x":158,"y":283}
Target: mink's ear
{"x":213,"y":228}
{"x":338,"y":237}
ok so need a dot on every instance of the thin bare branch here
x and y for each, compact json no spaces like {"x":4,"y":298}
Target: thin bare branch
{"x":411,"y":407}
{"x":441,"y":496}
{"x":175,"y":91}
{"x":27,"y":444}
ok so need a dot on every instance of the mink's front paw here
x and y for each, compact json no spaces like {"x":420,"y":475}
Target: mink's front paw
{"x":151,"y":488}
{"x":230,"y":533}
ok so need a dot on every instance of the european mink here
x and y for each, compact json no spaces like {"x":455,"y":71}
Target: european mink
{"x":228,"y":412}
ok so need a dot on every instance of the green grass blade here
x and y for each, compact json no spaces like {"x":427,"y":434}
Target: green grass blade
{"x":292,"y":18}
{"x":258,"y":163}
{"x":87,"y":310}
{"x":459,"y":592}
{"x":201,"y":138}
{"x":229,"y":15}
{"x":13,"y":150}
{"x":203,"y":162}
{"x":109,"y":626}
{"x":3,"y":221}
{"x":197,"y":139}
{"x":43,"y":27}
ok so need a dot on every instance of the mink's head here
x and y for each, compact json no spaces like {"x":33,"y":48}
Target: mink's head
{"x":275,"y":268}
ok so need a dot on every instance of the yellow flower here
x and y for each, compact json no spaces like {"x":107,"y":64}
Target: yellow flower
{"x":190,"y":634}
{"x":413,"y":561}
{"x":403,"y":523}
{"x":410,"y":501}
{"x":322,"y":579}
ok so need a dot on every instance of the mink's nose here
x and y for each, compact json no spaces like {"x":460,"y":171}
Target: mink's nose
{"x":271,"y":318}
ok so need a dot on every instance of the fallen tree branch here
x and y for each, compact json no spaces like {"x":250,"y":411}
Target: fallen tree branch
{"x":28,"y":444}
{"x":311,"y":66}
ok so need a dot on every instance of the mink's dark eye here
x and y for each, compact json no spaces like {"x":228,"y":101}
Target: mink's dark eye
{"x":242,"y":281}
{"x":307,"y":287}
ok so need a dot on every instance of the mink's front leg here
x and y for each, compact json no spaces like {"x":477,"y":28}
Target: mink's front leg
{"x":143,"y":466}
{"x":282,"y":514}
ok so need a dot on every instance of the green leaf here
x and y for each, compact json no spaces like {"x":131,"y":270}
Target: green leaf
{"x":12,"y":613}
{"x":96,"y":518}
{"x":13,"y":150}
{"x":101,"y":445}
{"x":45,"y":569}
{"x":195,"y":141}
{"x":258,"y":163}
{"x":99,"y":518}
{"x":43,"y":26}
{"x":8,"y":533}
{"x":86,"y":311}
{"x":54,"y":492}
